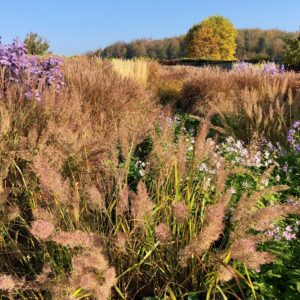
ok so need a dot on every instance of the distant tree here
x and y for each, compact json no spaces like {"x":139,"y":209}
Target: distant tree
{"x":277,"y":47}
{"x":35,"y":44}
{"x":117,"y":50}
{"x":137,"y":49}
{"x":173,"y":48}
{"x":291,"y":55}
{"x":257,"y":43}
{"x":214,"y":38}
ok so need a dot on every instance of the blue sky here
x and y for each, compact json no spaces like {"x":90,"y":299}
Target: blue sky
{"x":76,"y":26}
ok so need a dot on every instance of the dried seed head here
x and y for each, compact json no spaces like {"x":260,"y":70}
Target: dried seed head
{"x":77,"y":238}
{"x":42,"y":229}
{"x":51,"y":180}
{"x":121,"y":241}
{"x":162,"y":233}
{"x":142,"y":205}
{"x":122,"y":204}
{"x":96,"y":199}
{"x":42,"y":214}
{"x":7,"y":283}
{"x":43,"y":277}
{"x":226,"y":273}
{"x":92,"y":273}
{"x":180,"y":211}
{"x":245,"y":250}
{"x":213,"y":228}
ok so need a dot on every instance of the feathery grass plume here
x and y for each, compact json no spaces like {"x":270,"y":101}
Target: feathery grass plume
{"x":201,"y":146}
{"x":96,"y":199}
{"x":243,"y":245}
{"x":76,"y":238}
{"x":246,"y":204}
{"x":32,"y":139}
{"x":121,"y":241}
{"x":212,"y":229}
{"x":122,"y":202}
{"x":5,"y":165}
{"x":7,"y":283}
{"x":4,"y":120}
{"x":104,"y":291}
{"x":180,"y":211}
{"x":226,"y":272}
{"x":42,"y":229}
{"x":90,"y":271}
{"x":43,"y":214}
{"x":43,"y":278}
{"x":56,"y":156}
{"x":51,"y":180}
{"x":266,"y":175}
{"x":164,"y":149}
{"x":142,"y":205}
{"x":222,"y":172}
{"x":265,"y":217}
{"x":162,"y":233}
{"x":245,"y":250}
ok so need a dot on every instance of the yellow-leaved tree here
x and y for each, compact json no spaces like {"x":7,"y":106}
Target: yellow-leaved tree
{"x":214,"y":38}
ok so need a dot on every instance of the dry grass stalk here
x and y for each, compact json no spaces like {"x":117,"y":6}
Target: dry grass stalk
{"x":142,"y":204}
{"x":212,"y":229}
{"x":180,"y":211}
{"x":122,"y":202}
{"x":136,"y":70}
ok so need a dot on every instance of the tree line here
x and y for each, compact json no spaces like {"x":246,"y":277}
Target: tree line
{"x":251,"y":44}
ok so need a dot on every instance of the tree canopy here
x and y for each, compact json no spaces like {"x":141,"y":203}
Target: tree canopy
{"x":35,"y":44}
{"x":214,"y":38}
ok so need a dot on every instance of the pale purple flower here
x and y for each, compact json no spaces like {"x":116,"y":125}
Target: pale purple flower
{"x":19,"y":66}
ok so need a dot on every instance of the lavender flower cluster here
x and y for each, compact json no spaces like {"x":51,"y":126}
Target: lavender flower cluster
{"x":263,"y":68}
{"x":237,"y":153}
{"x":19,"y":66}
{"x":287,"y":233}
{"x":293,"y":136}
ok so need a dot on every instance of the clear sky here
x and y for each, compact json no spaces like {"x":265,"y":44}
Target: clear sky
{"x":76,"y":26}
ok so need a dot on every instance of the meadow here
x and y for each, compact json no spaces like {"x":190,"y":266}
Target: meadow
{"x":132,"y":180}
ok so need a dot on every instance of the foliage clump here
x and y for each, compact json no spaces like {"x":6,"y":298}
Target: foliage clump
{"x":35,"y":44}
{"x":214,"y":38}
{"x":291,"y":55}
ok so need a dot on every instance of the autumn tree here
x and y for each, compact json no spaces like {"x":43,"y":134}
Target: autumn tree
{"x":214,"y":38}
{"x":35,"y":44}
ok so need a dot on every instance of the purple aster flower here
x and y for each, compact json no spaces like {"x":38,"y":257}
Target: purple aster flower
{"x":19,"y":66}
